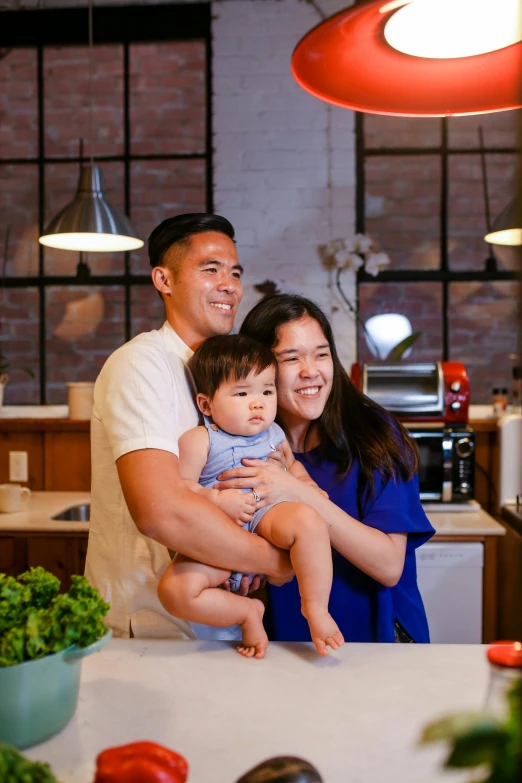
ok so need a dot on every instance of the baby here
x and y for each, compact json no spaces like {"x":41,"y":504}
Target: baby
{"x":235,"y":380}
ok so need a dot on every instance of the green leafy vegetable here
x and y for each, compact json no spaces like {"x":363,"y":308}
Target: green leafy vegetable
{"x":36,"y":620}
{"x":480,"y":740}
{"x":16,"y":768}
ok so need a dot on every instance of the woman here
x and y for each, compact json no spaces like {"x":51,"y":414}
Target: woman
{"x":366,"y":463}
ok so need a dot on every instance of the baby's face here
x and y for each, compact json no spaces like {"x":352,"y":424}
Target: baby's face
{"x":246,"y":407}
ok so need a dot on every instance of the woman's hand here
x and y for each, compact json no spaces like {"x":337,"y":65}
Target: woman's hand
{"x":247,"y":587}
{"x":239,"y":506}
{"x":270,"y":482}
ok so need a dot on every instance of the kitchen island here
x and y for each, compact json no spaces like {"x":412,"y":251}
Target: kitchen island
{"x":356,"y":715}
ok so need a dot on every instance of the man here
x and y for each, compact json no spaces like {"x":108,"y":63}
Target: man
{"x":143,"y":402}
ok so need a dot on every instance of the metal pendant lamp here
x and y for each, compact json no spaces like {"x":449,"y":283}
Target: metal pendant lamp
{"x":89,"y":223}
{"x":506,"y":229}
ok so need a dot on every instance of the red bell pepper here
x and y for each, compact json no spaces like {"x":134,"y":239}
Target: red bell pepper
{"x":140,"y":762}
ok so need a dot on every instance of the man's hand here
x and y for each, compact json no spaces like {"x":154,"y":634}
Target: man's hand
{"x":239,"y":506}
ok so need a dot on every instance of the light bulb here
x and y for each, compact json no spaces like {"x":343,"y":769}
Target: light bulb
{"x":443,"y":29}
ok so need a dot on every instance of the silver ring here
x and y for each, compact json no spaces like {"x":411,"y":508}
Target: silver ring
{"x":285,"y":467}
{"x":256,"y":496}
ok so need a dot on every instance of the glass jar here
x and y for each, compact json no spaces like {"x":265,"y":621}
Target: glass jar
{"x":499,"y":399}
{"x":505,"y":662}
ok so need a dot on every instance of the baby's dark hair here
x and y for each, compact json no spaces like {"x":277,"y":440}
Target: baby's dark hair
{"x":229,"y":357}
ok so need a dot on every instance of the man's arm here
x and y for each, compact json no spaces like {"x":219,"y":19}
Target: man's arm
{"x":166,"y":510}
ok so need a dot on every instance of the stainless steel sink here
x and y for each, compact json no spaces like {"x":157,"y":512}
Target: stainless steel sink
{"x":79,"y":513}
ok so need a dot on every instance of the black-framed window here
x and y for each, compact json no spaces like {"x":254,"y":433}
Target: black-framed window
{"x":421,"y":194}
{"x":153,"y":141}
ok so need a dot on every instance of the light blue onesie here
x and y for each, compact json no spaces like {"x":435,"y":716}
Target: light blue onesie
{"x":226,"y":452}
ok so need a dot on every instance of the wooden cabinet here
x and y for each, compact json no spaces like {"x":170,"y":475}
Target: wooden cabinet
{"x":58,"y":452}
{"x":486,"y":464}
{"x":59,"y":455}
{"x":63,"y":554}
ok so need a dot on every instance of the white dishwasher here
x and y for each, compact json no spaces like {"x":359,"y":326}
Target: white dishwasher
{"x":450,"y":582}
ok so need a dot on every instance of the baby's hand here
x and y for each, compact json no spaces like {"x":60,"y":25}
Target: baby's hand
{"x":239,"y":506}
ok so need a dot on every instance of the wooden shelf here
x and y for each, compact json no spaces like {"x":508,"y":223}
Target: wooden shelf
{"x":44,"y":425}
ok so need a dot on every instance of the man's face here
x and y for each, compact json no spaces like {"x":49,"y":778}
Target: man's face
{"x":204,"y":288}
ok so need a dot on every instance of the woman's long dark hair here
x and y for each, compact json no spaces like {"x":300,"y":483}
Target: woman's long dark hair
{"x":351,"y":426}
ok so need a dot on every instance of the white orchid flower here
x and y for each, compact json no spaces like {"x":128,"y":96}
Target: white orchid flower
{"x":353,"y":261}
{"x":362,"y":243}
{"x":340,"y":257}
{"x":375,"y":262}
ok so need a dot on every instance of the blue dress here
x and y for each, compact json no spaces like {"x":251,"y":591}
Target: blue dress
{"x":364,"y":610}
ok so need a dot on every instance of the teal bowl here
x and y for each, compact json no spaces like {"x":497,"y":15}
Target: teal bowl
{"x":38,"y":698}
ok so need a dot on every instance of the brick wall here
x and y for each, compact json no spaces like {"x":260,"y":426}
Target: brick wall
{"x":284,"y":174}
{"x":402,"y":211}
{"x":284,"y":161}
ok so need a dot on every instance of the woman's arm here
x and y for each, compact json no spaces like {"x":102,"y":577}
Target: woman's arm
{"x":380,"y":555}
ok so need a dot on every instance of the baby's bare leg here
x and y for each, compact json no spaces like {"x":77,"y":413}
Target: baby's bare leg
{"x":190,"y":590}
{"x":299,"y":528}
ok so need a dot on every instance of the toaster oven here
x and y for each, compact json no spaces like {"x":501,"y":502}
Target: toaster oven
{"x":424,"y":391}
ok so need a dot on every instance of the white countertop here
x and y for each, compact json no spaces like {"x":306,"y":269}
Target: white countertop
{"x":356,"y":715}
{"x":465,"y":523}
{"x":36,"y":516}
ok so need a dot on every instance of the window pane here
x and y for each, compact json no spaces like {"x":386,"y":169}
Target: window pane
{"x":61,"y":182}
{"x":83,"y":326}
{"x":421,"y":303}
{"x":66,"y":106}
{"x":483,"y":333}
{"x":499,"y":130}
{"x":402,"y":209}
{"x":466,"y":206}
{"x":18,"y":104}
{"x":19,"y":343}
{"x":159,"y":190}
{"x":147,"y":310}
{"x":19,"y":219}
{"x":168,"y":97}
{"x":381,"y":131}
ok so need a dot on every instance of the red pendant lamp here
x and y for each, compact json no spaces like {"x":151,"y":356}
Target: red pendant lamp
{"x":389,"y":58}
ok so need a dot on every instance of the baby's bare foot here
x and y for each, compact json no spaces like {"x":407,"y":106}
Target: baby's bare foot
{"x":254,"y":638}
{"x":323,"y":628}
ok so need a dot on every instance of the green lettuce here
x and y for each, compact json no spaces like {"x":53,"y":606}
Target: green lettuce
{"x":36,"y":620}
{"x":16,"y":768}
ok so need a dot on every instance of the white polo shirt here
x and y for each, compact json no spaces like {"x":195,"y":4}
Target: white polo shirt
{"x":143,"y":399}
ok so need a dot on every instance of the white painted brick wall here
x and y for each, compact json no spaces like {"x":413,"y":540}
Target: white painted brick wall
{"x":273,"y":147}
{"x":272,"y":154}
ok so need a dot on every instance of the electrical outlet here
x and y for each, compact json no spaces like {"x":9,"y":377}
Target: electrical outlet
{"x":18,"y":466}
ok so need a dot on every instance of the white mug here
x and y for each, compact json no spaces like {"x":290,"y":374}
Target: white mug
{"x":11,"y":496}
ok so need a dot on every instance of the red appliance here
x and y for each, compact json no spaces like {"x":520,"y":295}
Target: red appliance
{"x":421,"y":391}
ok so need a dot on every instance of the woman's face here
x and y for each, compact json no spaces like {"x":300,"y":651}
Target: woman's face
{"x":305,"y":369}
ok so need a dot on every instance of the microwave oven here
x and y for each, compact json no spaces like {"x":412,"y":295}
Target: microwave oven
{"x":446,"y":462}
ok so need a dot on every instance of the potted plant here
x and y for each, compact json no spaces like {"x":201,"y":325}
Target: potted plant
{"x":44,"y":634}
{"x":361,"y":253}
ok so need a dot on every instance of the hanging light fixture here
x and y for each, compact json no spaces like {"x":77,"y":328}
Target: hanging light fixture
{"x":506,"y":229}
{"x":89,"y":223}
{"x":410,"y":58}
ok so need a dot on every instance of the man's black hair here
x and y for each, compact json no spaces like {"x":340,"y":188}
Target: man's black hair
{"x":177,"y":230}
